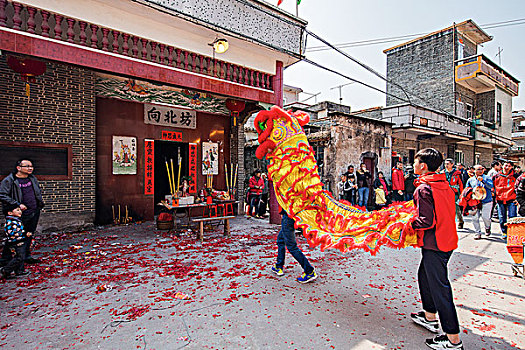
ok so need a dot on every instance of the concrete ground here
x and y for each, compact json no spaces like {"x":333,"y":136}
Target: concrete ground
{"x":124,"y":288}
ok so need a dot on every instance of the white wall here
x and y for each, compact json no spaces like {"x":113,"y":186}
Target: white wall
{"x":140,"y":20}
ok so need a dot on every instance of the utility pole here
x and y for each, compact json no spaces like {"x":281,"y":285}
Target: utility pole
{"x":340,"y":87}
{"x":500,"y":50}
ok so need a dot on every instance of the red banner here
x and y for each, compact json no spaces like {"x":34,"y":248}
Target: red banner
{"x":172,"y":135}
{"x":192,"y":166}
{"x":149,"y":166}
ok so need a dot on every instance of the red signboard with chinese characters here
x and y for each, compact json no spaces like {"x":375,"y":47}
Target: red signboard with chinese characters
{"x":192,"y":159}
{"x":171,"y":135}
{"x":149,"y":166}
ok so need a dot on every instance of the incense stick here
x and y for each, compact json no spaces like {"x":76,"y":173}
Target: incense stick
{"x":169,"y":177}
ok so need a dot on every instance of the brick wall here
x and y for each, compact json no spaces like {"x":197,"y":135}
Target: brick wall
{"x":60,"y":110}
{"x":424,"y":68}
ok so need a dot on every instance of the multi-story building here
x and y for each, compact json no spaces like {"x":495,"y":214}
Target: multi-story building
{"x":101,"y":94}
{"x":444,"y":93}
{"x":517,"y":151}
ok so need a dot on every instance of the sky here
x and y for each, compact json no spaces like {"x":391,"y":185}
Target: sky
{"x":344,"y":21}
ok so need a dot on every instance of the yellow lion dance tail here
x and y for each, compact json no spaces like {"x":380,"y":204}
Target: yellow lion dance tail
{"x":325,"y":222}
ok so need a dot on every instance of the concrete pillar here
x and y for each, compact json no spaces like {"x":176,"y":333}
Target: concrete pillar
{"x":275,"y":217}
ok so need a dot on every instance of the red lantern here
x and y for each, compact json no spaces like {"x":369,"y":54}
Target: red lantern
{"x":235,"y":107}
{"x":27,"y":68}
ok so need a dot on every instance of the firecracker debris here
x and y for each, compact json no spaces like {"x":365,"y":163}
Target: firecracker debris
{"x":133,"y":287}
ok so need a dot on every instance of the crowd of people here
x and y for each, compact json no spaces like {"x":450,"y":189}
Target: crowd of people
{"x":478,"y":192}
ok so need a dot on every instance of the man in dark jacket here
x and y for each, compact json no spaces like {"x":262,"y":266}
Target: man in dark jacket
{"x":22,"y":188}
{"x":363,"y":183}
{"x":410,"y":177}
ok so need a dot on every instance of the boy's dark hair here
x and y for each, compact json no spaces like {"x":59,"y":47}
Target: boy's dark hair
{"x":494,"y":163}
{"x":350,"y":166}
{"x":6,"y":207}
{"x":431,"y":157}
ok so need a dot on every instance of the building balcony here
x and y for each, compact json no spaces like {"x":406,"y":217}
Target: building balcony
{"x":480,"y":74}
{"x":420,"y":121}
{"x":178,"y":44}
{"x":517,"y":134}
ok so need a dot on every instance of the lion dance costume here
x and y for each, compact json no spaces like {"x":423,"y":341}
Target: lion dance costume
{"x":325,"y":222}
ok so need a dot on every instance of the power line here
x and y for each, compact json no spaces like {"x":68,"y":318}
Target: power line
{"x":318,"y":65}
{"x":355,"y":60}
{"x":359,"y":43}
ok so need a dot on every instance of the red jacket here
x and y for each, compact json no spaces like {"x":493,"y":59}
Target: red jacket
{"x":398,"y":180}
{"x":253,"y":183}
{"x":504,"y":187}
{"x":436,"y":211}
{"x":466,"y":202}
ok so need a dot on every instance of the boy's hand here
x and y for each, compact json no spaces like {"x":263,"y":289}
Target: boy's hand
{"x":29,"y":234}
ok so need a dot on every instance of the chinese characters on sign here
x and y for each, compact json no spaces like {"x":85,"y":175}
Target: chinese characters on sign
{"x":193,"y":167}
{"x":149,"y":166}
{"x":210,"y":158}
{"x":124,"y":155}
{"x":171,"y":135}
{"x":170,"y":116}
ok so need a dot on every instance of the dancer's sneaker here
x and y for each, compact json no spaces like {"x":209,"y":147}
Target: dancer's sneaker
{"x":277,"y":271}
{"x":305,"y":278}
{"x":420,"y":319}
{"x":441,"y":342}
{"x":477,"y":236}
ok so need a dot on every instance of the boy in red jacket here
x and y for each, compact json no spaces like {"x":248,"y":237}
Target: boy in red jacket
{"x":437,"y":236}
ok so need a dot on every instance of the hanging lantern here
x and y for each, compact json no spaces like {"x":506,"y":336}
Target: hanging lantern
{"x":27,"y":68}
{"x":235,"y":107}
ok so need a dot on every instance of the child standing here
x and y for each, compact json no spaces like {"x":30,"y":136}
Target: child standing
{"x":16,"y":241}
{"x":341,"y":187}
{"x":437,"y":236}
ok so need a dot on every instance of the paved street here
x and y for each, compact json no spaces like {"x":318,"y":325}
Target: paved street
{"x":125,"y":288}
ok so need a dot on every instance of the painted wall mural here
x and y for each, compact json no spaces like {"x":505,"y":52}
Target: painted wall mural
{"x":124,"y":155}
{"x":210,"y":158}
{"x":140,"y":91}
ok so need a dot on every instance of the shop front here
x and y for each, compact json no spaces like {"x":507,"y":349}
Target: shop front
{"x":149,"y":139}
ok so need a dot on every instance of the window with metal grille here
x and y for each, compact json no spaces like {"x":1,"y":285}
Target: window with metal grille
{"x":50,"y":161}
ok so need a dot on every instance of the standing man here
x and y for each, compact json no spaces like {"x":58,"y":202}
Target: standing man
{"x":256,"y":185}
{"x":363,"y":184}
{"x":495,"y":168}
{"x":463,"y":171}
{"x":410,"y":187}
{"x":454,"y":179}
{"x":398,"y":183}
{"x":505,"y":190}
{"x":286,"y":239}
{"x":437,"y":237}
{"x":481,"y":180}
{"x":21,"y":188}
